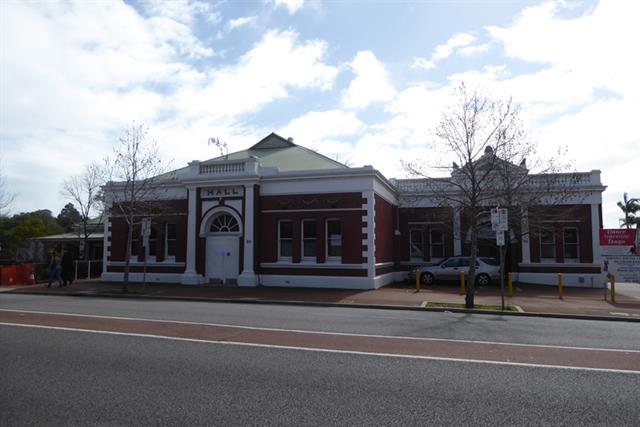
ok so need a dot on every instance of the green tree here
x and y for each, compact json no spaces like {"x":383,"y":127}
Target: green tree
{"x":69,"y":217}
{"x":631,"y":209}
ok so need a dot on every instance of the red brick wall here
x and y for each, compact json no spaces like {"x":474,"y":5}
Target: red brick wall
{"x":441,"y":218}
{"x":559,"y":217}
{"x":267,"y":224}
{"x":174,"y":211}
{"x":384,"y":226}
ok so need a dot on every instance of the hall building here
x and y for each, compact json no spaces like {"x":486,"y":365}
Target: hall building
{"x":279,"y":214}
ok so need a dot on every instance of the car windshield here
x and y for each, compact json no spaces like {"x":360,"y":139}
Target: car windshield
{"x":490,"y":261}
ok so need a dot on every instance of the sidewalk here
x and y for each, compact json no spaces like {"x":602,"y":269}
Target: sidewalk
{"x":531,"y":299}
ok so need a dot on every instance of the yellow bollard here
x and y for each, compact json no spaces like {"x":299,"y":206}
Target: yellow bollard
{"x":510,"y":284}
{"x":613,"y":288}
{"x":417,"y":280}
{"x":462,"y":288}
{"x":560,"y":287}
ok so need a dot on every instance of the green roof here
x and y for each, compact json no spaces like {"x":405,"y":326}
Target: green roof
{"x":275,"y":151}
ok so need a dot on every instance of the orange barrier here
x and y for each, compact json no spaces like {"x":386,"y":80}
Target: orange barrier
{"x":17,"y":274}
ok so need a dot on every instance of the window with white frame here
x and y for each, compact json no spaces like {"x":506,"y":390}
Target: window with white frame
{"x":571,"y":243}
{"x":334,"y":238}
{"x":309,"y":238}
{"x":547,"y":243}
{"x":153,"y":241}
{"x":135,"y":241}
{"x":437,"y":243}
{"x":285,"y":236}
{"x":170,"y":240}
{"x":416,"y":243}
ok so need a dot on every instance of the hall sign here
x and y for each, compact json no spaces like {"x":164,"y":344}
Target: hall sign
{"x":221,"y":192}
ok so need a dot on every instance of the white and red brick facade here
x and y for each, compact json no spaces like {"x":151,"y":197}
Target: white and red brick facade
{"x":236,"y":221}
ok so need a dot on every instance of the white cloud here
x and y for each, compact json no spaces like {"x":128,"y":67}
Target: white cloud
{"x":291,"y":5}
{"x":232,"y":24}
{"x":320,"y":125}
{"x":85,"y":79}
{"x":184,"y":11}
{"x":371,"y":83}
{"x":443,"y":51}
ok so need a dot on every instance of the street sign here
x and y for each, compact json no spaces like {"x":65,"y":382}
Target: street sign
{"x":499,"y":219}
{"x":145,"y":230}
{"x":500,"y":238}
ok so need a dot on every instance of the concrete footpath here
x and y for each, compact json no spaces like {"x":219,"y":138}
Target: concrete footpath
{"x":529,"y":299}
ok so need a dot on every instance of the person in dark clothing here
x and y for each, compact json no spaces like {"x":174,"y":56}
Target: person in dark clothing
{"x":67,"y":268}
{"x":54,"y":270}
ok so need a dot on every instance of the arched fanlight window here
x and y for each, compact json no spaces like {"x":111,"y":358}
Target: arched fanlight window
{"x":224,"y":223}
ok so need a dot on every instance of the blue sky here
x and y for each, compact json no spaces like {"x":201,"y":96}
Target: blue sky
{"x":360,"y":81}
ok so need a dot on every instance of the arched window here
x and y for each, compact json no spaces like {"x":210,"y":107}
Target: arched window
{"x":224,"y":223}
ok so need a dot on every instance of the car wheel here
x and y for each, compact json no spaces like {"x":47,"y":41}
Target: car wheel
{"x":482,"y":279}
{"x":427,"y":279}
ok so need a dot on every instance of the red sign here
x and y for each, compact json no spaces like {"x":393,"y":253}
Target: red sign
{"x":617,"y":237}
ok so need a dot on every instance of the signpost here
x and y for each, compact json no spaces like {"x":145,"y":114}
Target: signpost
{"x":500,"y":224}
{"x":145,"y":230}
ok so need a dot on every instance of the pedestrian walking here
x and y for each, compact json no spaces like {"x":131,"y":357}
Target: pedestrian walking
{"x":67,"y":268}
{"x":55,"y":270}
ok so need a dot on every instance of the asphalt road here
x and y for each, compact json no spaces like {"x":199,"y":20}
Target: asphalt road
{"x":72,"y":377}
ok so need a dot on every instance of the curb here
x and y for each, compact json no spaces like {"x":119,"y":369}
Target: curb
{"x":339,"y":305}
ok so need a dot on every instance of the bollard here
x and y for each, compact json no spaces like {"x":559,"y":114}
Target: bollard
{"x":510,"y":284}
{"x":462,"y":288}
{"x":560,"y":287}
{"x":417,"y":280}
{"x":613,"y":288}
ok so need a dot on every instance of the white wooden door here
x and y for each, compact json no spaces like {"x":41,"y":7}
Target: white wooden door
{"x":223,"y":258}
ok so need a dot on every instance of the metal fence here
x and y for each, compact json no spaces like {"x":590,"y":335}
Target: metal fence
{"x":81,"y":270}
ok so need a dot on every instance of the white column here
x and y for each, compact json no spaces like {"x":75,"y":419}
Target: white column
{"x":457,"y":234}
{"x":371,"y":234}
{"x":595,"y":233}
{"x":248,"y":276}
{"x":526,"y":245}
{"x":190,"y":276}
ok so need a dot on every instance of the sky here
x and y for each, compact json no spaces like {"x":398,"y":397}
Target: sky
{"x":363,"y":82}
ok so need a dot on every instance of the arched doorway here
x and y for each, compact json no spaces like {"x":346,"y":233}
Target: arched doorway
{"x":223,"y":232}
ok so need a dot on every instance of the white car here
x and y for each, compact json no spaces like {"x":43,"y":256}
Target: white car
{"x":487,"y":269}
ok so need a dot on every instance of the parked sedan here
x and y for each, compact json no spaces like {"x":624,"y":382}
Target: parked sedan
{"x":487,"y":269}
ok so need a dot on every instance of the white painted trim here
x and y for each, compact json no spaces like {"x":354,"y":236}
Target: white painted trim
{"x":329,"y":282}
{"x":595,"y":233}
{"x":148,"y":264}
{"x":384,"y":279}
{"x":137,"y":277}
{"x":326,"y":265}
{"x":311,"y":210}
{"x":384,"y":264}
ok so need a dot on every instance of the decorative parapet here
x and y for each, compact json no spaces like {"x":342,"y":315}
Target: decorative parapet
{"x":574,"y":180}
{"x":224,"y":167}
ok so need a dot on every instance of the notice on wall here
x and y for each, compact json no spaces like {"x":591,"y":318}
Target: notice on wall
{"x":625,"y":267}
{"x":619,"y":241}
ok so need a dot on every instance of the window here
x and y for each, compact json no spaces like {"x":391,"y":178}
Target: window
{"x":153,"y":240}
{"x":135,"y":241}
{"x":224,"y":223}
{"x":309,"y":238}
{"x":169,"y":240}
{"x":285,"y":229}
{"x":334,"y":238}
{"x":547,"y":243}
{"x":416,"y":243}
{"x":437,"y":244}
{"x":571,"y":244}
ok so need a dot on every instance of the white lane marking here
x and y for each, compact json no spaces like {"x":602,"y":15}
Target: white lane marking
{"x":323,"y":350}
{"x":256,"y":328}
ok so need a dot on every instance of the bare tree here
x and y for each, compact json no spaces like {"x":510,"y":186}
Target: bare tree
{"x":490,"y":152}
{"x":6,"y":196}
{"x":84,"y":190}
{"x":135,"y":176}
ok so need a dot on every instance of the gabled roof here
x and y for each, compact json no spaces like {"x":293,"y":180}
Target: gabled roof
{"x":276,"y":151}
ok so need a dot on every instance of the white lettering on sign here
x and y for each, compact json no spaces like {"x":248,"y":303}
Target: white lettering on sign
{"x":236,"y":191}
